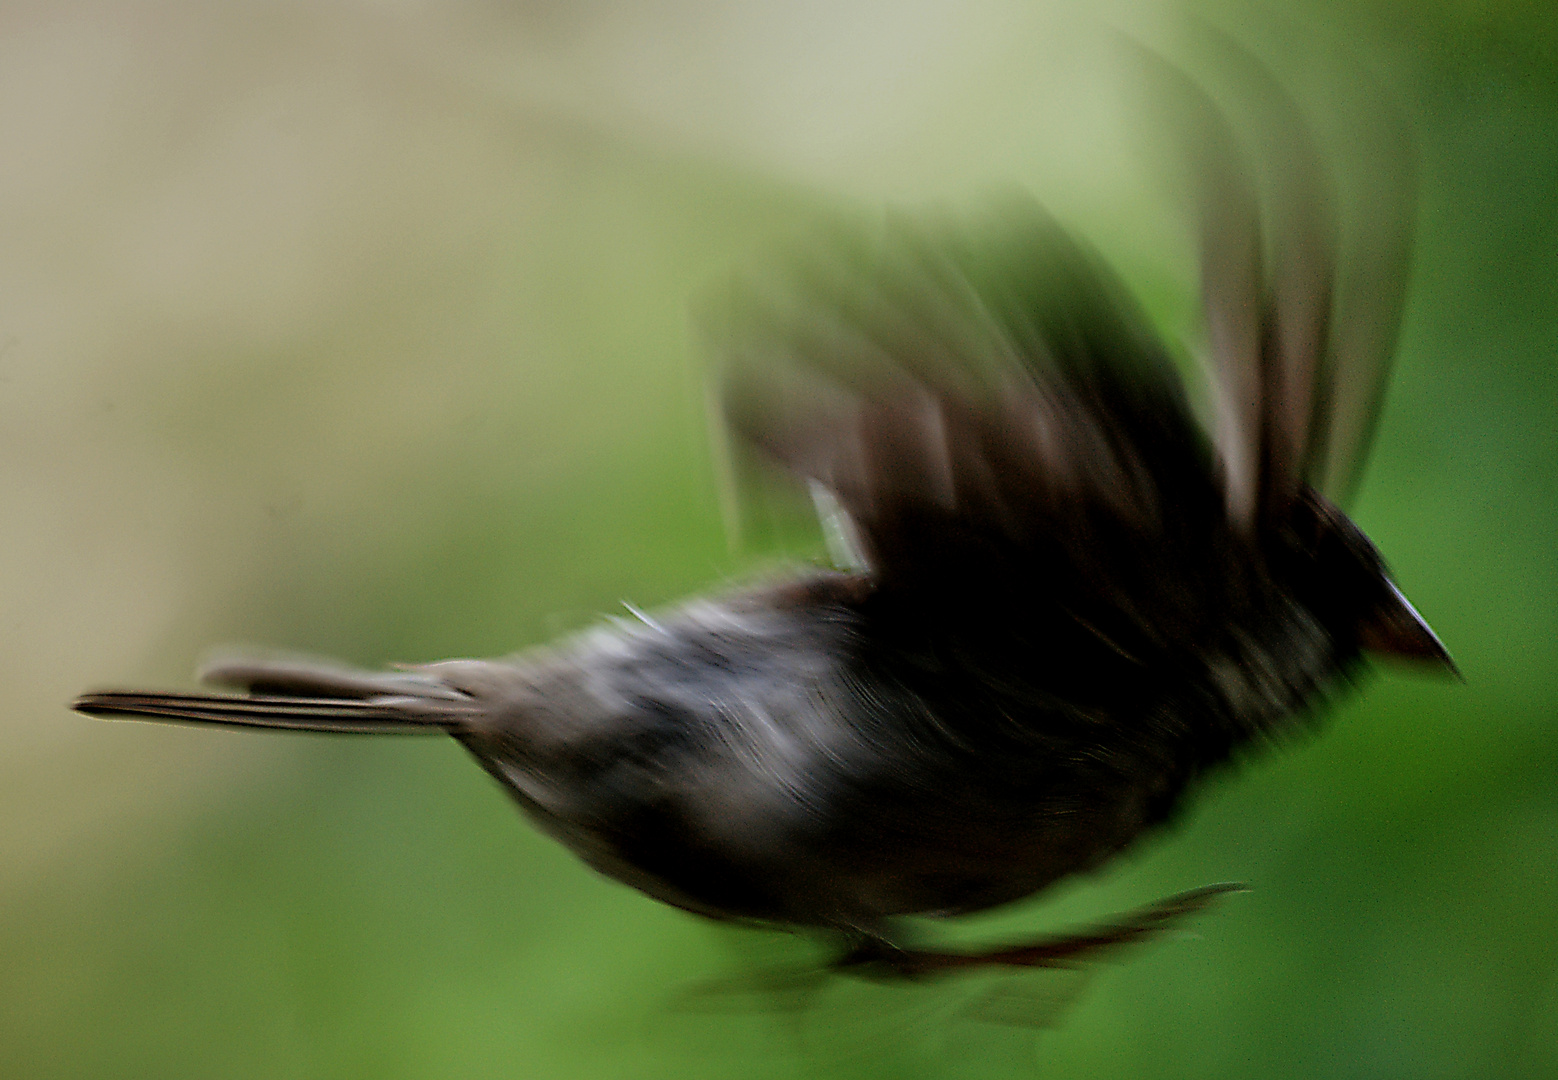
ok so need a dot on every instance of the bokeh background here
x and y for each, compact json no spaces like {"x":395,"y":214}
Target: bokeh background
{"x":362,"y":328}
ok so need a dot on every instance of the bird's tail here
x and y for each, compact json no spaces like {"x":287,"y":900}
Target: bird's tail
{"x":298,"y":694}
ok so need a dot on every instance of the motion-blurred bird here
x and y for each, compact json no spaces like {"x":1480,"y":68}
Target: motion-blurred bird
{"x":1070,"y":602}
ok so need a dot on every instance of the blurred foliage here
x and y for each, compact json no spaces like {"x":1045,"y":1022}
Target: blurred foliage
{"x":362,"y":329}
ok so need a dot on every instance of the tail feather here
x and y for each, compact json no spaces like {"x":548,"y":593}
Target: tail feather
{"x":296,"y":693}
{"x":294,"y":713}
{"x":305,"y":677}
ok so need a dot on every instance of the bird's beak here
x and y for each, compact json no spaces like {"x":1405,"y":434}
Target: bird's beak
{"x":1397,"y":631}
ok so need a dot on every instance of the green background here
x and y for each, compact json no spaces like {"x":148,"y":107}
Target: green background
{"x":362,"y":329}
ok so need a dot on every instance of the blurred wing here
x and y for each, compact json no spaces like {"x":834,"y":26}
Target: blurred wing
{"x":1301,"y":252}
{"x":960,"y":389}
{"x":1299,"y":358}
{"x":1234,"y":296}
{"x":1371,"y":291}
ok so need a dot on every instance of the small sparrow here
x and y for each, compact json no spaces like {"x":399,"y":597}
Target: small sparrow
{"x":1063,"y":600}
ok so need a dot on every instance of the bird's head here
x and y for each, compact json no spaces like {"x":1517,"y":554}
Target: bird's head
{"x":1339,"y":575}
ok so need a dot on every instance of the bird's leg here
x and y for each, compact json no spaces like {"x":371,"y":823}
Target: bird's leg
{"x":873,"y":956}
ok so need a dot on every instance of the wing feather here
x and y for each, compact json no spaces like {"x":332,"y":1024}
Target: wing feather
{"x":1301,"y":315}
{"x":985,"y":379}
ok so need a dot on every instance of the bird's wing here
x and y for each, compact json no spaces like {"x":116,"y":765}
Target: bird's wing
{"x":1301,"y":315}
{"x":961,"y":387}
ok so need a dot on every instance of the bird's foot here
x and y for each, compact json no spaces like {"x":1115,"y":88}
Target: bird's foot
{"x":875,"y":957}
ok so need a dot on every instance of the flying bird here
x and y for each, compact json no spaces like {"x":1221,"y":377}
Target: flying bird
{"x":1061,"y":601}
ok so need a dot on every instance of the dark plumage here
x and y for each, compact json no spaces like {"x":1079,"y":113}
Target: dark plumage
{"x":1071,"y":601}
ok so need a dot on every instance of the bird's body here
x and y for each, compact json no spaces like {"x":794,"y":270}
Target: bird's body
{"x":822,"y":751}
{"x":800,"y":755}
{"x":1073,"y":601}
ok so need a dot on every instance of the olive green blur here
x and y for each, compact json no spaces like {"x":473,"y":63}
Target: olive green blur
{"x":365,"y":330}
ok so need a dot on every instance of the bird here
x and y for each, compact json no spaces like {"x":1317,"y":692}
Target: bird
{"x":1060,"y":598}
